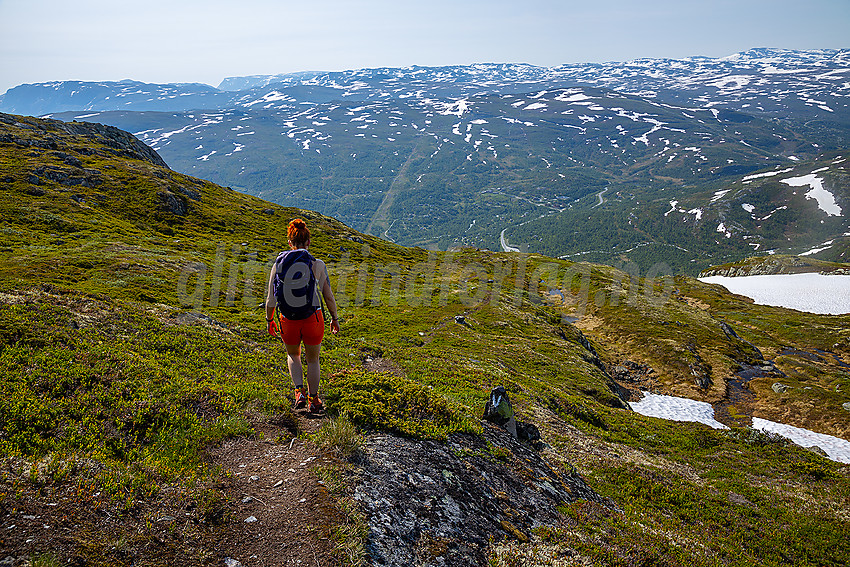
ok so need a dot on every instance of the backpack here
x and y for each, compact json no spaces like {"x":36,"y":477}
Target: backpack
{"x":295,"y":284}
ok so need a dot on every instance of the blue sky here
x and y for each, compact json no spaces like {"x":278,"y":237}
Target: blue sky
{"x":206,"y":41}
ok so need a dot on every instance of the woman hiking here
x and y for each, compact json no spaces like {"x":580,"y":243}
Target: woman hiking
{"x":295,"y":282}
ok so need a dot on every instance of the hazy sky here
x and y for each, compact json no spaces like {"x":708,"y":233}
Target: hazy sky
{"x":207,"y":40}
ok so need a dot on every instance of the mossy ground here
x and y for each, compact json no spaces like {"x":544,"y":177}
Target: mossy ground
{"x":133,"y":340}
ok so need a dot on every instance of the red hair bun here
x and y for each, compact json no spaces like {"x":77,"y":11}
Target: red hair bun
{"x":297,"y":232}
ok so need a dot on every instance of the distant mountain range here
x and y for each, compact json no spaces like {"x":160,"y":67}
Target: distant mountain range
{"x":693,"y":162}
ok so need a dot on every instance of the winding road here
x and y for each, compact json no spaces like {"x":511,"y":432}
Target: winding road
{"x":601,"y":200}
{"x":505,"y":246}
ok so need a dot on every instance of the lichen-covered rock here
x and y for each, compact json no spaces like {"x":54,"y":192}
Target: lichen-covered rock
{"x":430,"y":503}
{"x":171,"y":203}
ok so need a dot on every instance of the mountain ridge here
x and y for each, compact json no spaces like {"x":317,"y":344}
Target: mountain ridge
{"x":503,"y":144}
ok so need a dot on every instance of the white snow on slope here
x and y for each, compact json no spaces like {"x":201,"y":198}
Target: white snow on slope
{"x":721,"y":228}
{"x":825,"y":199}
{"x":683,"y":409}
{"x":768,"y":174}
{"x":825,"y":246}
{"x":731,"y":82}
{"x":836,"y":448}
{"x":676,"y":409}
{"x":570,"y":96}
{"x":719,"y":195}
{"x":273,"y":96}
{"x":457,"y":108}
{"x":814,"y":293}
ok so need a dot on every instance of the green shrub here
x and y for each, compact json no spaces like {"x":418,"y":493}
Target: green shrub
{"x":392,"y":403}
{"x":815,"y":470}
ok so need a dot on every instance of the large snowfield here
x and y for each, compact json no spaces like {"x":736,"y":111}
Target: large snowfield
{"x":814,"y":293}
{"x":683,"y":409}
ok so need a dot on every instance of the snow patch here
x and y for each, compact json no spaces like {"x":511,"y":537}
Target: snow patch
{"x":536,"y":106}
{"x":273,"y":96}
{"x":768,"y":174}
{"x":825,"y":199}
{"x":836,"y":448}
{"x":825,"y":246}
{"x":682,"y":409}
{"x":676,"y":409}
{"x":813,"y":293}
{"x":237,"y":148}
{"x":457,"y":108}
{"x":731,"y":82}
{"x":719,"y":195}
{"x":570,"y":96}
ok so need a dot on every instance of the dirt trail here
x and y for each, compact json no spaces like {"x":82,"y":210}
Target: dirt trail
{"x":279,"y":512}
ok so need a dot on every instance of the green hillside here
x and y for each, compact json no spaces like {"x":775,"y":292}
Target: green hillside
{"x":133,"y":348}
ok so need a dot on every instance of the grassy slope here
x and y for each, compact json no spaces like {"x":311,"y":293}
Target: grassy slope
{"x":109,"y":394}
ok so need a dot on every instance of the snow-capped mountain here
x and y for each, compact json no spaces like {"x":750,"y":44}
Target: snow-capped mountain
{"x":643,"y":160}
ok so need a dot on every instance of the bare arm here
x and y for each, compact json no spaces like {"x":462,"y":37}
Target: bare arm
{"x":271,"y":300}
{"x":327,"y":293}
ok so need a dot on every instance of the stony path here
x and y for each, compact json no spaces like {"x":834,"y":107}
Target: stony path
{"x":280,"y":512}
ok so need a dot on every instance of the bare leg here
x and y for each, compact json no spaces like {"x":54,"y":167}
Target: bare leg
{"x":311,"y":353}
{"x":293,"y":361}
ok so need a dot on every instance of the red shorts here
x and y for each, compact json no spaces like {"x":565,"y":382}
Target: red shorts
{"x":310,"y":330}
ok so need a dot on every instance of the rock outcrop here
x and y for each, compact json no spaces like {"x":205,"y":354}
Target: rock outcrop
{"x":767,"y":266}
{"x":45,"y":131}
{"x":430,"y":503}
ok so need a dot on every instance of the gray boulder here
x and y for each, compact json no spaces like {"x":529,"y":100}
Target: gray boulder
{"x":460,"y":493}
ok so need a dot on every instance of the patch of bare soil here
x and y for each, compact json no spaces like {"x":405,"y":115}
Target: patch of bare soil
{"x":379,"y":364}
{"x":279,"y":512}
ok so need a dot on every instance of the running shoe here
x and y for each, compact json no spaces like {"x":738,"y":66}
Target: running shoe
{"x":315,"y":405}
{"x":300,"y":399}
